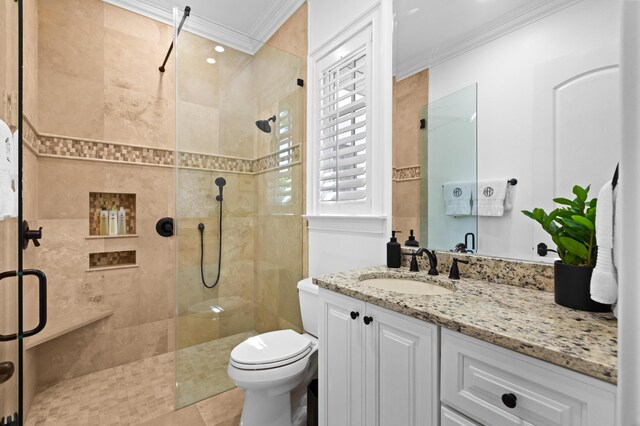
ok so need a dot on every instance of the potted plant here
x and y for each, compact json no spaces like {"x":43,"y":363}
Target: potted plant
{"x":572,"y":228}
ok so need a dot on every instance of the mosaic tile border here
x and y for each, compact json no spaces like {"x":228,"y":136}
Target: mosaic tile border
{"x":519,"y":273}
{"x":61,"y":146}
{"x":30,"y":134}
{"x":193,"y":160}
{"x":56,"y":146}
{"x":406,"y":173}
{"x":271,"y":161}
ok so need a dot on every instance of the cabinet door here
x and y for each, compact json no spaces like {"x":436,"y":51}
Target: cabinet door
{"x":452,"y":418}
{"x":401,"y":369}
{"x":341,"y":361}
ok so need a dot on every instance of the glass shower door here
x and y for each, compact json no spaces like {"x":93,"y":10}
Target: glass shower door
{"x":10,"y":341}
{"x":449,"y":171}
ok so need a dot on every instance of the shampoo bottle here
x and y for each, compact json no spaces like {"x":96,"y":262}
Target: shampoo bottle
{"x":394,"y":254}
{"x":122,"y":221}
{"x":104,"y":221}
{"x":113,"y":221}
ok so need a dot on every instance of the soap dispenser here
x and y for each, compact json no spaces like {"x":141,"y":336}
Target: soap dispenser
{"x":394,"y":253}
{"x":411,"y":242}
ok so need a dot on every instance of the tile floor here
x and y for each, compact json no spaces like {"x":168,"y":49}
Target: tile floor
{"x":199,"y":374}
{"x":142,"y":392}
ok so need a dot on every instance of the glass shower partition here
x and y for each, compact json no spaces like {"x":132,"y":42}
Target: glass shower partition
{"x":449,"y":171}
{"x":240,"y":133}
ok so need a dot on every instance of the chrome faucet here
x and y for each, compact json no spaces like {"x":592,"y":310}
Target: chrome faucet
{"x":433,"y":261}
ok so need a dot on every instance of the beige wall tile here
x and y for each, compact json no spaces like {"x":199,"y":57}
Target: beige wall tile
{"x":410,"y":95}
{"x":406,"y":208}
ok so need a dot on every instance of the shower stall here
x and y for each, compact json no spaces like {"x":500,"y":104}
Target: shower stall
{"x":205,"y":159}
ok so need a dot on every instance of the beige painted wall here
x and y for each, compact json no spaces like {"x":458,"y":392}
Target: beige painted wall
{"x":410,"y":95}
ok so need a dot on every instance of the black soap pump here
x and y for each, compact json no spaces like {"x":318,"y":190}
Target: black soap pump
{"x":394,"y":254}
{"x":411,"y":242}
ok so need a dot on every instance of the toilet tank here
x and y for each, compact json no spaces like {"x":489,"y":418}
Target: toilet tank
{"x":309,"y":310}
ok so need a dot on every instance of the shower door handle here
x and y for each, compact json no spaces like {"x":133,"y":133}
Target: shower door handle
{"x":42,"y":302}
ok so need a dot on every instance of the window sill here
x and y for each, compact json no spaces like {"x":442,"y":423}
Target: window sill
{"x":348,"y":224}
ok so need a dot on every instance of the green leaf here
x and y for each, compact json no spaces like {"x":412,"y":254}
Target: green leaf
{"x":563,"y":201}
{"x":593,"y":203}
{"x":580,"y":192}
{"x":584,"y":222}
{"x":575,"y":247}
{"x":571,"y":259}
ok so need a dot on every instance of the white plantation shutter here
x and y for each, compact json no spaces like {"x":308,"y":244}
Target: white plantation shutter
{"x":342,"y":132}
{"x":280,"y":182}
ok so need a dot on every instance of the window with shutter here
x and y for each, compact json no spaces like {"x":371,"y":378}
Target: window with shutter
{"x":280,"y":188}
{"x":342,"y":133}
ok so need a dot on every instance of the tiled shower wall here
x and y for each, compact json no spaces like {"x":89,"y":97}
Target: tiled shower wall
{"x":98,"y":81}
{"x":410,"y":95}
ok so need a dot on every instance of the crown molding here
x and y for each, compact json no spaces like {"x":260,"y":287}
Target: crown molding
{"x":273,"y":18}
{"x":162,"y":11}
{"x":492,"y":30}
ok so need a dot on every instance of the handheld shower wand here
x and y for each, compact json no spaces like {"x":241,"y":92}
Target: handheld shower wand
{"x":220,"y":183}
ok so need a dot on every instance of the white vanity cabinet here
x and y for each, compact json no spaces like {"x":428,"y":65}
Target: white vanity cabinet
{"x":376,"y":367}
{"x":498,"y":387}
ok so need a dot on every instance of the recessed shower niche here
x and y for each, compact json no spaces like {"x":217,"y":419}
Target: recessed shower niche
{"x":109,"y":201}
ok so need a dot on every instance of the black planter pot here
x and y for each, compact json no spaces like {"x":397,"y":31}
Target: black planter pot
{"x":573,"y":288}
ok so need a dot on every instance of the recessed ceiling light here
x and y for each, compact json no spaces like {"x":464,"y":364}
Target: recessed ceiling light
{"x":211,"y":61}
{"x":219,"y":49}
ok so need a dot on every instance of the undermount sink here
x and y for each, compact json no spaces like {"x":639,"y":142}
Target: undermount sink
{"x":406,"y":286}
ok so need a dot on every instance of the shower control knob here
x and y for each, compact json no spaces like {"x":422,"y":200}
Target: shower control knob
{"x":509,"y":400}
{"x":367,"y":320}
{"x":354,"y":315}
{"x":164,"y":227}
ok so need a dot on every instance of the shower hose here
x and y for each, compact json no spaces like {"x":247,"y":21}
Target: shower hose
{"x":201,"y":228}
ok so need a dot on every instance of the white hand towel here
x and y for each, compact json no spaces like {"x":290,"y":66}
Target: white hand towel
{"x":508,"y":200}
{"x":491,"y":197}
{"x":604,"y":281}
{"x":6,"y":158}
{"x":457,"y":198}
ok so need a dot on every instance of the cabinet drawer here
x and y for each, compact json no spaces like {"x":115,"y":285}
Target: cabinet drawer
{"x":497,"y":387}
{"x":452,"y":418}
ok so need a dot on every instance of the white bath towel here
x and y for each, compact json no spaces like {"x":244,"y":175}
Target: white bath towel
{"x":8,"y":199}
{"x":492,"y":195}
{"x":604,"y":281}
{"x":457,"y":198}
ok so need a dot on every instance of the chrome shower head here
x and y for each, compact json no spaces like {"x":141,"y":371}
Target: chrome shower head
{"x":264,"y":124}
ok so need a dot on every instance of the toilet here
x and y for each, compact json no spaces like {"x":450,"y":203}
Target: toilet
{"x":274,"y":368}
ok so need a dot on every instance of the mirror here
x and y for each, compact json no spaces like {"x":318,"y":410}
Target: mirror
{"x":548,"y":115}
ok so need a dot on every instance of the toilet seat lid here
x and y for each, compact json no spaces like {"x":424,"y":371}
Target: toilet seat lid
{"x":269,"y":348}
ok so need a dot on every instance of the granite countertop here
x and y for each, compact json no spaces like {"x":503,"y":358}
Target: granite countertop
{"x":521,"y":319}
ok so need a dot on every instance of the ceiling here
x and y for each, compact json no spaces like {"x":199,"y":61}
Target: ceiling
{"x":241,"y":24}
{"x":428,"y":32}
